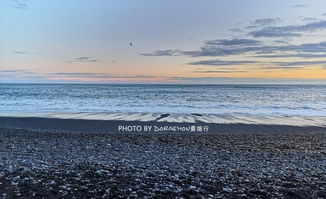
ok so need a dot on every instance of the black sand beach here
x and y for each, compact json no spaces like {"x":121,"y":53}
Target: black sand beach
{"x":109,"y":126}
{"x":53,"y":158}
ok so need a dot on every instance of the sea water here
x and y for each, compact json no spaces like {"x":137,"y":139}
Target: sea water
{"x":305,"y":100}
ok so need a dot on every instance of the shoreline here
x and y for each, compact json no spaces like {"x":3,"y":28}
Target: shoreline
{"x":290,"y":120}
{"x":114,"y":126}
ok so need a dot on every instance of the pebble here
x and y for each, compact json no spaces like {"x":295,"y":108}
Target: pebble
{"x":148,"y":165}
{"x":227,"y":189}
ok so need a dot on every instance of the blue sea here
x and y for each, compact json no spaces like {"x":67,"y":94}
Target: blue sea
{"x":303,"y":100}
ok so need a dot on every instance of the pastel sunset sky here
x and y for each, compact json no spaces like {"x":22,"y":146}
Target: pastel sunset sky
{"x":163,"y":41}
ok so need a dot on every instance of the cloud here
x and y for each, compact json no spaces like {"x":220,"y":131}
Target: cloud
{"x":93,"y":75}
{"x":20,"y":4}
{"x":300,"y":63}
{"x":288,"y":31}
{"x":162,"y":53}
{"x":282,"y":68}
{"x":273,"y":32}
{"x":30,"y":76}
{"x":246,"y":47}
{"x":263,"y":22}
{"x":301,"y":55}
{"x":219,"y":71}
{"x":234,"y":42}
{"x":295,"y":65}
{"x":39,"y":78}
{"x":19,"y":73}
{"x":26,"y":53}
{"x":82,"y":60}
{"x":235,"y":30}
{"x":276,"y":64}
{"x":237,"y":46}
{"x":299,"y":6}
{"x":97,"y":75}
{"x":219,"y":47}
{"x":285,"y":31}
{"x":21,"y":52}
{"x":213,"y":48}
{"x":307,"y":47}
{"x":235,"y":80}
{"x":224,"y":48}
{"x":220,"y":63}
{"x":281,"y":41}
{"x":15,"y":71}
{"x":310,"y":19}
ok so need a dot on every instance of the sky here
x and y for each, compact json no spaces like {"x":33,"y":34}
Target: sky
{"x":163,"y":41}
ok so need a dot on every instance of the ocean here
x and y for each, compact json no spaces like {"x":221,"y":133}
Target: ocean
{"x":303,"y":100}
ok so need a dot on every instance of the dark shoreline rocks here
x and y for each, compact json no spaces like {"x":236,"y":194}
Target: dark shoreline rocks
{"x":48,"y":164}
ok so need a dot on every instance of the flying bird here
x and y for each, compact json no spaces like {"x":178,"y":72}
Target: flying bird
{"x":130,"y":44}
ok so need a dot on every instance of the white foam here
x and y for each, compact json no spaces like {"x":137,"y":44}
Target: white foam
{"x":182,"y":118}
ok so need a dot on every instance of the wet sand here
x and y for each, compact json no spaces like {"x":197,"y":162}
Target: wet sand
{"x":83,"y":159}
{"x":109,"y":126}
{"x":286,"y":120}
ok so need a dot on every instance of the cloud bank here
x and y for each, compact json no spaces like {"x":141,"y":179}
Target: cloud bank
{"x":86,"y":59}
